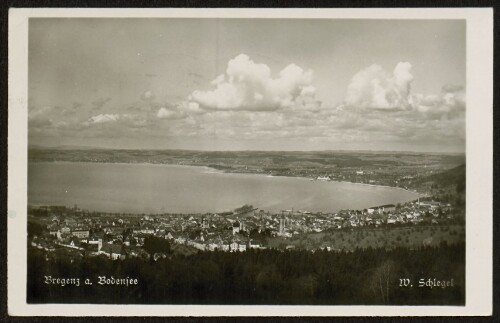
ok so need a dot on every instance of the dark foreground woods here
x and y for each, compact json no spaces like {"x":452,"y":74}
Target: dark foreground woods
{"x":372,"y":276}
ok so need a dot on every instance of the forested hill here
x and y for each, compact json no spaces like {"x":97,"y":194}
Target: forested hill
{"x":450,"y":179}
{"x":446,"y":187}
{"x":268,"y":277}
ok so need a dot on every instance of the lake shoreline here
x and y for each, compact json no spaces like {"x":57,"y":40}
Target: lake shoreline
{"x":219,"y":171}
{"x":180,"y":186}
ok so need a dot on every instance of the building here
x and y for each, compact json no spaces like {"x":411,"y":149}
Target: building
{"x":382,"y":208}
{"x":113,"y":251}
{"x":55,"y":232}
{"x":253,"y":245}
{"x":236,"y":227}
{"x":282,"y":227}
{"x":97,"y":242}
{"x":234,"y":246}
{"x":388,"y":208}
{"x":204,"y":223}
{"x":81,"y":233}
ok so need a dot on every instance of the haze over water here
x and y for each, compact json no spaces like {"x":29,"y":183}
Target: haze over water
{"x":146,"y":188}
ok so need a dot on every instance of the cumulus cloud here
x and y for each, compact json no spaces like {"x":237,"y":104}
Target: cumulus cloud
{"x":165,"y":113}
{"x":113,"y":122}
{"x":414,"y":118}
{"x":449,"y":104}
{"x":104,"y":118}
{"x":190,"y":107}
{"x":374,"y":88}
{"x":248,"y":102}
{"x":247,"y":85}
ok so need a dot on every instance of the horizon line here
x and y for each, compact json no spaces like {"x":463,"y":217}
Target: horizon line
{"x":78,"y":147}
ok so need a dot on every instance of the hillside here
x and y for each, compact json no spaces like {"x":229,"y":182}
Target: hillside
{"x":403,"y":237}
{"x":447,"y":187}
{"x":453,"y":178}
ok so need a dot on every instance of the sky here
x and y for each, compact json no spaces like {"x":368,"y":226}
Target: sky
{"x":247,"y":84}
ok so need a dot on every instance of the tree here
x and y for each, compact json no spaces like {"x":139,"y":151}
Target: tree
{"x":154,"y":245}
{"x":34,"y":229}
{"x":381,"y":279}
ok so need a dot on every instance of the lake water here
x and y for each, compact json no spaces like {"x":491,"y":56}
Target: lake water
{"x":145,"y":188}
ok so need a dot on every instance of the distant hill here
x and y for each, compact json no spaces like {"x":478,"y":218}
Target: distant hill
{"x":64,"y":147}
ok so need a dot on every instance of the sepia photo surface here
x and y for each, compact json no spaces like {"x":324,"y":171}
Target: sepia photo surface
{"x":203,"y":161}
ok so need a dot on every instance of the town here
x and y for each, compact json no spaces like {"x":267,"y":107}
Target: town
{"x":118,"y":236}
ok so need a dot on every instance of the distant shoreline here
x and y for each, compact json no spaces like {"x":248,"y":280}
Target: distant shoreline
{"x":386,"y":186}
{"x":362,"y":151}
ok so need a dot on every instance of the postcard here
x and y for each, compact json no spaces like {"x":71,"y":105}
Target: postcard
{"x":250,"y":162}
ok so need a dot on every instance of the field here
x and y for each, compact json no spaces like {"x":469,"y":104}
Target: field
{"x":408,"y":237}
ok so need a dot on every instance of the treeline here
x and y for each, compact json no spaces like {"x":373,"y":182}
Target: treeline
{"x":370,"y":276}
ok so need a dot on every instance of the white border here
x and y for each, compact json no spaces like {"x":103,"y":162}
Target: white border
{"x":479,"y":141}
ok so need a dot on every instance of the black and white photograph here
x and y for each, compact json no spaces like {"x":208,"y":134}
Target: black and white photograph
{"x":234,"y":160}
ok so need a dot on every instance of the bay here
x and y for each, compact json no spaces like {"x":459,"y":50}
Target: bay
{"x":149,"y":188}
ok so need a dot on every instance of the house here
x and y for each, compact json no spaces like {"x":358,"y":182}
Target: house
{"x":388,"y":208}
{"x":254,"y":245}
{"x":70,"y":222}
{"x":113,"y":251}
{"x":92,"y":249}
{"x":127,"y":241}
{"x":382,"y":208}
{"x":431,"y":204}
{"x":196,"y":244}
{"x":97,"y":242}
{"x":391,"y":219}
{"x":147,"y":230}
{"x":133,"y":251}
{"x":234,"y":246}
{"x":180,"y":240}
{"x":212,"y":246}
{"x":236,"y":227}
{"x":98,"y":235}
{"x":55,"y":232}
{"x":81,"y":233}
